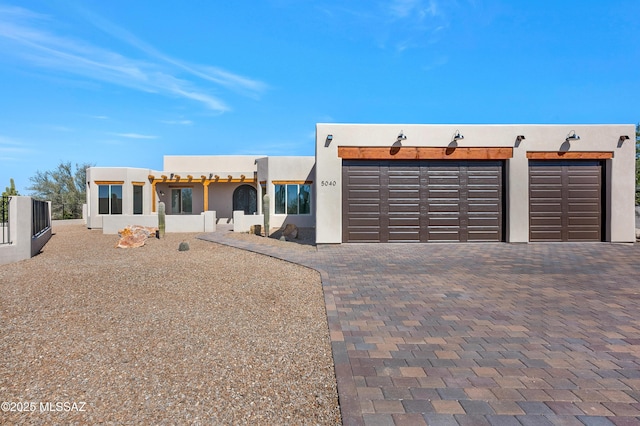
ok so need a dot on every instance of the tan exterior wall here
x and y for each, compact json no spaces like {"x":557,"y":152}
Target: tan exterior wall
{"x":287,"y":169}
{"x":205,"y":164}
{"x":620,"y":181}
{"x":117,"y":174}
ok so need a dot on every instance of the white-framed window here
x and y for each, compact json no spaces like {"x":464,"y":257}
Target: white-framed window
{"x":109,"y":199}
{"x":293,"y":199}
{"x":181,"y":200}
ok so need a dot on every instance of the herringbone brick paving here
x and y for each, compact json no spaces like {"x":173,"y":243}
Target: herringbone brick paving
{"x":479,"y":334}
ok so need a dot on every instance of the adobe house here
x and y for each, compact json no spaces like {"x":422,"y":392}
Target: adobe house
{"x":397,"y":183}
{"x":200,"y":192}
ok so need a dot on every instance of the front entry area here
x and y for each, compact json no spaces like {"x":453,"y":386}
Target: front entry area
{"x":422,"y":201}
{"x":245,"y":198}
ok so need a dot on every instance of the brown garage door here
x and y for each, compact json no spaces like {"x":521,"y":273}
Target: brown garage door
{"x":565,"y":200}
{"x":422,"y":201}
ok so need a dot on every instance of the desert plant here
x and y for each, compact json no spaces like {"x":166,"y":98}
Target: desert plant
{"x":265,"y":210}
{"x":161,"y":219}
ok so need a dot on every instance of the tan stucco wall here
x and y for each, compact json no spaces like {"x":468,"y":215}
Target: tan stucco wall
{"x":205,"y":164}
{"x":299,"y":169}
{"x":619,"y":197}
{"x":126,"y":174}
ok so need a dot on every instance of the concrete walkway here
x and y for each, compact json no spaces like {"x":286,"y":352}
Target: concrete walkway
{"x":479,"y":334}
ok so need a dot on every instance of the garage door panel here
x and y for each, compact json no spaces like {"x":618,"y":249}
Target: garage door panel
{"x":436,"y":209}
{"x":584,"y":235}
{"x":571,"y":210}
{"x":363,"y":208}
{"x":404,"y":209}
{"x":546,"y":207}
{"x":444,"y":222}
{"x":404,"y":221}
{"x":364,"y":237}
{"x":483,"y":194}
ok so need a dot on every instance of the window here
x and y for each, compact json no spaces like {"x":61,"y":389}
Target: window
{"x":109,"y":199}
{"x":137,"y":199}
{"x":293,"y":199}
{"x":181,"y":200}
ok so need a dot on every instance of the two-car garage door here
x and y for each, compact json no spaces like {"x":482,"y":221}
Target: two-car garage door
{"x":422,"y":200}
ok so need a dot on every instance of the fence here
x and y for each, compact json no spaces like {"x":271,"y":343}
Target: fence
{"x":66,"y":211}
{"x":4,"y":220}
{"x":40,"y":218}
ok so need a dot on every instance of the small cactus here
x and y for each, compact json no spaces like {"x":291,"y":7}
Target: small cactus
{"x":265,"y":211}
{"x":161,"y":219}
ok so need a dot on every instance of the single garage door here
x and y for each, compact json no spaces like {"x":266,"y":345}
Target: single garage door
{"x":565,"y":200}
{"x":422,"y":201}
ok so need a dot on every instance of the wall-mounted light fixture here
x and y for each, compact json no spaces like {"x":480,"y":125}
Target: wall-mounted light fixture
{"x":210,"y":175}
{"x":572,"y":136}
{"x":401,"y":136}
{"x":623,"y":138}
{"x":162,"y":193}
{"x":328,"y":140}
{"x":171,"y":176}
{"x":457,"y":136}
{"x":520,"y":138}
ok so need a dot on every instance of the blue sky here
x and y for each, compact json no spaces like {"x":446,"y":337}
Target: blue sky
{"x":122,"y":83}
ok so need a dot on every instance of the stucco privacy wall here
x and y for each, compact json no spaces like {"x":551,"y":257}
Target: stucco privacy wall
{"x":619,"y":180}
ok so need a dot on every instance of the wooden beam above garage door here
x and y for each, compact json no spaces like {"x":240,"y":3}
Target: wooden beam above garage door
{"x":574,"y":155}
{"x":423,"y":153}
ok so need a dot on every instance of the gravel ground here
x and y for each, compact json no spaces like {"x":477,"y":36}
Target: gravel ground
{"x":151,"y":335}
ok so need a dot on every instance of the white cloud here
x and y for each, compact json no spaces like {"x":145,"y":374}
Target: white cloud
{"x":26,"y":36}
{"x":135,"y":136}
{"x":178,"y":122}
{"x":392,"y":24}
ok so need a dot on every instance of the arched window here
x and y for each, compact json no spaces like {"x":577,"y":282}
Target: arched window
{"x":245,"y":198}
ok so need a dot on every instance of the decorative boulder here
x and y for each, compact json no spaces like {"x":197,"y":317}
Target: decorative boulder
{"x":134,"y":236}
{"x":184,"y":246}
{"x":290,"y":231}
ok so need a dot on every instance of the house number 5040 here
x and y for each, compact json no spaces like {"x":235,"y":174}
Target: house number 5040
{"x":328,"y":183}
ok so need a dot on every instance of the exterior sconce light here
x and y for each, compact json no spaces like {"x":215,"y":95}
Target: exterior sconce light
{"x":624,"y":138}
{"x":520,"y":138}
{"x":210,"y":175}
{"x":572,"y":136}
{"x":328,"y":140}
{"x":401,"y":136}
{"x":457,"y":136}
{"x":162,"y":193}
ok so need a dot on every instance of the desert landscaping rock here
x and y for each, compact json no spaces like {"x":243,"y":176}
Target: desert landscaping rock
{"x":220,"y":336}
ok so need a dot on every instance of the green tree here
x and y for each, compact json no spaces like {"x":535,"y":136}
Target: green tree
{"x":8,"y":192}
{"x":64,"y":187}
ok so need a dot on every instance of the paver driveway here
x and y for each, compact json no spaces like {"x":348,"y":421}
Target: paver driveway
{"x":480,"y":334}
